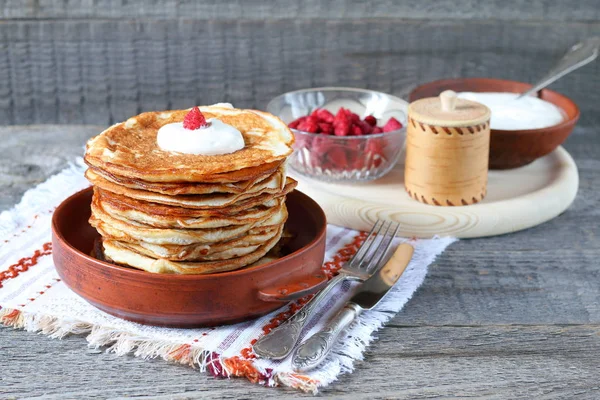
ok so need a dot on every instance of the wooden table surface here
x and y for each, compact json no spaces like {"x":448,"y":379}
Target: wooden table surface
{"x":515,"y":316}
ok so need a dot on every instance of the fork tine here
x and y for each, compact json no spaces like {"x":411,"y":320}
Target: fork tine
{"x":372,"y":265}
{"x":370,"y":252}
{"x":367,"y":244}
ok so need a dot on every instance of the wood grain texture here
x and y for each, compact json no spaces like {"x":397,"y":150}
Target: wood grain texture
{"x":28,"y":157}
{"x":517,"y":362}
{"x":585,"y":10}
{"x":515,"y":316}
{"x":98,"y":71}
{"x":516,"y":199}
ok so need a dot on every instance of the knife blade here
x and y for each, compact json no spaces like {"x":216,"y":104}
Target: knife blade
{"x":315,"y":349}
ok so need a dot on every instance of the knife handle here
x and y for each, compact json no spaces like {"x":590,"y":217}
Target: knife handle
{"x":316,"y":348}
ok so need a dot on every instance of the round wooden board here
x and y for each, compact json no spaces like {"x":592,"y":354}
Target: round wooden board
{"x":517,"y":199}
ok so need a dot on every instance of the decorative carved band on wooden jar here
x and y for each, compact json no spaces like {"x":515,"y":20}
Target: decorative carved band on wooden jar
{"x":447,"y":150}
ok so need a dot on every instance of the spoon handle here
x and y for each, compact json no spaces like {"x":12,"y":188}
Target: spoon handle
{"x":577,"y":56}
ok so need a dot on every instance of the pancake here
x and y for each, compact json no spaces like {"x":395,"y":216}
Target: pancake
{"x":131,"y":231}
{"x":170,"y":213}
{"x":118,"y":253}
{"x":129,"y":148}
{"x":248,"y":216}
{"x":186,"y":188}
{"x":217,"y":256}
{"x":272,"y":186}
{"x":216,"y":251}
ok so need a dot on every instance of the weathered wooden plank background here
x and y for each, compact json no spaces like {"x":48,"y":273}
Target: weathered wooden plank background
{"x":100,"y":61}
{"x":581,"y":10}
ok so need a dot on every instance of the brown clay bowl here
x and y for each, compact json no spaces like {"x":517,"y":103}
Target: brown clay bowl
{"x":511,"y":149}
{"x":189,"y":300}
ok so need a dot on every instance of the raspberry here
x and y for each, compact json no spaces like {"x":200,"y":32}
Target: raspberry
{"x":324,"y":115}
{"x":341,"y":129}
{"x":350,"y":154}
{"x":375,"y":146}
{"x":371,"y":120}
{"x":194,"y":119}
{"x":366,"y":128}
{"x":375,"y":151}
{"x":353,"y":117}
{"x":354,"y":147}
{"x":340,"y":118}
{"x":326,"y":128}
{"x":294,"y":124}
{"x":359,"y":162}
{"x":312,"y":120}
{"x":355,"y":153}
{"x":308,"y":125}
{"x":342,"y":115}
{"x":356,"y":130}
{"x":320,"y":145}
{"x":312,"y":127}
{"x":392,"y":125}
{"x":337,"y":158}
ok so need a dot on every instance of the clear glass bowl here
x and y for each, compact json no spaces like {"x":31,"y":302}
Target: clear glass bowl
{"x":343,"y":158}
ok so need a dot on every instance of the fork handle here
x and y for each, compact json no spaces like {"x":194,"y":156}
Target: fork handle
{"x":280,"y":342}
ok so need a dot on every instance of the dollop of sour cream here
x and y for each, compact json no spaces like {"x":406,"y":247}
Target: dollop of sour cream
{"x":216,"y":138}
{"x":510,"y":113}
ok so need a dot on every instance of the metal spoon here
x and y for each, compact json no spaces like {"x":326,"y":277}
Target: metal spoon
{"x":577,"y":56}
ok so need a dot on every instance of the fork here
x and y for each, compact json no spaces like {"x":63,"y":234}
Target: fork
{"x":280,"y":342}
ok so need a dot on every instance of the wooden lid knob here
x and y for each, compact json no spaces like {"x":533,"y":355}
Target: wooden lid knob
{"x":448,"y":100}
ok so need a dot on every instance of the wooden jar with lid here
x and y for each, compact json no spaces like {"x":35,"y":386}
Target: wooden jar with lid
{"x":447,"y":150}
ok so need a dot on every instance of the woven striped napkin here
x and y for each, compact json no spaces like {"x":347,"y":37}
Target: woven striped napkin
{"x":33,"y":297}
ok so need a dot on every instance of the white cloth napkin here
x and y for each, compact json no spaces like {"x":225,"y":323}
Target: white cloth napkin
{"x":35,"y":299}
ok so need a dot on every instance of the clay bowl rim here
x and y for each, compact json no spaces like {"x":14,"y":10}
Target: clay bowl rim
{"x":564,"y":124}
{"x":135,"y":273}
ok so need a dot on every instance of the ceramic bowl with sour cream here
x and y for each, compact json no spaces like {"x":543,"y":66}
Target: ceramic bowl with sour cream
{"x":522,"y":130}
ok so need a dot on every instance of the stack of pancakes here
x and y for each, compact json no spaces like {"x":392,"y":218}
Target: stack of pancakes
{"x":168,"y":212}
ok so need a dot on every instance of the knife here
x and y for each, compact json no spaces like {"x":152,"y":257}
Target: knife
{"x":314,"y":350}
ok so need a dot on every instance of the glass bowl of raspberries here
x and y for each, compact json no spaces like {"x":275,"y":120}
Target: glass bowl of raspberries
{"x":343,"y":134}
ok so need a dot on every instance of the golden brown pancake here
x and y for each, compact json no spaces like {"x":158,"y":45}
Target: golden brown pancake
{"x":130,"y":231}
{"x":204,"y":252}
{"x":244,"y":217}
{"x":129,"y":148}
{"x":183,"y":188}
{"x":203,"y":201}
{"x":125,"y":203}
{"x":115,"y":251}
